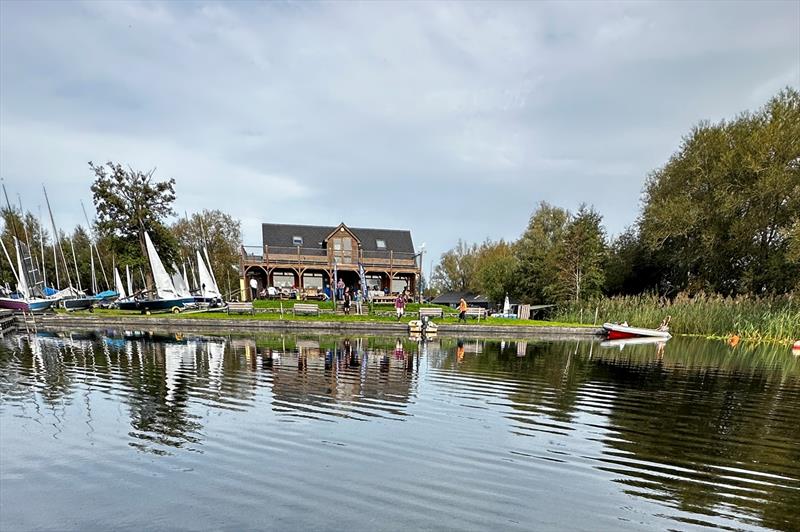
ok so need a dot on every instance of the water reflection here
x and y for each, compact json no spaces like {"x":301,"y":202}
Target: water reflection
{"x":706,"y":432}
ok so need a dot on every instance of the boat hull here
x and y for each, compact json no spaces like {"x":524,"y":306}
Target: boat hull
{"x":148,"y":305}
{"x":79,"y":303}
{"x":616,"y":331}
{"x":26,"y":305}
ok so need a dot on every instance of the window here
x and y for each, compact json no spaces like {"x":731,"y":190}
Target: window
{"x":399,"y":284}
{"x":283,"y":280}
{"x":312,"y":280}
{"x":297,"y":240}
{"x":343,"y":249}
{"x":380,"y":244}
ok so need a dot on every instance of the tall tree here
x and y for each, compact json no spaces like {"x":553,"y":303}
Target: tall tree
{"x":456,"y":268}
{"x":216,"y":231}
{"x":722,"y":210}
{"x":495,"y":271}
{"x":537,"y":254}
{"x":581,"y":254}
{"x":128,"y":203}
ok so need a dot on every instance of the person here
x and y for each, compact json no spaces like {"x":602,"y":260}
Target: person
{"x":253,"y":288}
{"x":346,"y":301}
{"x":340,"y":289}
{"x":359,"y":297}
{"x":462,"y":311}
{"x":400,"y":306}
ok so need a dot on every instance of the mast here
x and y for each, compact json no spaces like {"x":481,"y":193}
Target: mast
{"x":41,"y":247}
{"x":10,"y":263}
{"x":57,"y":239}
{"x":10,"y":212}
{"x":23,"y":279}
{"x":94,"y":244}
{"x":75,"y":262}
{"x":94,"y":277}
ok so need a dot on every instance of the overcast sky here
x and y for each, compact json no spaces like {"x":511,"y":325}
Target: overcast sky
{"x":452,"y":120}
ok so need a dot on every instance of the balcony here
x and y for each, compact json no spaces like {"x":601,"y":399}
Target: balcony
{"x":272,"y":256}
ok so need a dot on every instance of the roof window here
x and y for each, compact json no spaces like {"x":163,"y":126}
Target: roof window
{"x":380,"y":244}
{"x":297,"y":240}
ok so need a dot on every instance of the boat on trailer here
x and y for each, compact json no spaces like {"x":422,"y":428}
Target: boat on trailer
{"x":620,"y":331}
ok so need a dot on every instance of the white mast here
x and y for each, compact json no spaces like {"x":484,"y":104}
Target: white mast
{"x":23,"y":282}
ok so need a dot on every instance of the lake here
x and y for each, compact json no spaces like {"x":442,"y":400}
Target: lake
{"x":140,"y":431}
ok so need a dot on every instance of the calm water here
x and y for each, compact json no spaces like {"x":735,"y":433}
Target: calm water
{"x":111,"y":431}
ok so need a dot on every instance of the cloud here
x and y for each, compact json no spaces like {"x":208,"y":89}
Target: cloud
{"x":451,"y":119}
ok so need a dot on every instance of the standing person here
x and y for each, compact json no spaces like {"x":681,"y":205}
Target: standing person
{"x":340,"y":289}
{"x":253,"y":288}
{"x":462,"y":311}
{"x":400,"y":306}
{"x":359,"y":298}
{"x":346,"y":302}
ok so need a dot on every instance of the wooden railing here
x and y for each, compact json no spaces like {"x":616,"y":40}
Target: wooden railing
{"x":292,"y":256}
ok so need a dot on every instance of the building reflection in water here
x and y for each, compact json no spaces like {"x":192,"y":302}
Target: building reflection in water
{"x":164,"y":378}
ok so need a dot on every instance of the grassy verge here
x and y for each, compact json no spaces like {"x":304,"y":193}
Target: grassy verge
{"x":759,"y":318}
{"x":274,"y":316}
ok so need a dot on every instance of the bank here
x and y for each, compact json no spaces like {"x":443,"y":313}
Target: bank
{"x":244,"y":323}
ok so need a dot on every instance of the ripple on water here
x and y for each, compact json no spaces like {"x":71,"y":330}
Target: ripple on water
{"x":142,"y":431}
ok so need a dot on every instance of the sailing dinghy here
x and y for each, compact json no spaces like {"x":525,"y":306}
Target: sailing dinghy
{"x":167,"y":297}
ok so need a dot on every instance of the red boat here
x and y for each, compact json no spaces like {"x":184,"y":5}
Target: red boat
{"x":619,"y":331}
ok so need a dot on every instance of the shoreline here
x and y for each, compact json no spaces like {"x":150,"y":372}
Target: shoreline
{"x":256,"y":325}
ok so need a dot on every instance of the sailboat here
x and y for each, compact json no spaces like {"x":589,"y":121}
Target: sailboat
{"x":25,"y":302}
{"x":167,"y":298}
{"x":208,"y":289}
{"x":182,"y":287}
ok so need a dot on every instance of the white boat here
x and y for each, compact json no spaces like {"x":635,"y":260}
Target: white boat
{"x":618,"y":331}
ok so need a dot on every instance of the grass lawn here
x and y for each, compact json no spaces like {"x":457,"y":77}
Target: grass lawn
{"x":274,"y":316}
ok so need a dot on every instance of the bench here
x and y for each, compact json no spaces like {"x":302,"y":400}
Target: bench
{"x":431,"y":312}
{"x":305,"y":308}
{"x":240,"y":306}
{"x":476,"y":312}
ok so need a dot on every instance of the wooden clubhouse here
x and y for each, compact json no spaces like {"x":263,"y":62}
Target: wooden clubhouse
{"x":301,"y":259}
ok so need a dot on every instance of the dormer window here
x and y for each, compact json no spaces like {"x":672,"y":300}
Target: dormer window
{"x":380,"y":244}
{"x":297,"y":240}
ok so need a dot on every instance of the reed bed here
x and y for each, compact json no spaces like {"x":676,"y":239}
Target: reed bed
{"x":770,"y":318}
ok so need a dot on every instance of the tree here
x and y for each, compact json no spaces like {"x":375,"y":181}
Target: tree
{"x":537,"y":254}
{"x":456,"y":269}
{"x":128,"y":203}
{"x":495,"y":271}
{"x":721,"y":211}
{"x":216,"y":231}
{"x":581,"y":254}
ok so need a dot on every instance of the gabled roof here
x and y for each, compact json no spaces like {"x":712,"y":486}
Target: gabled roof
{"x":453,"y":298}
{"x":281,"y":235}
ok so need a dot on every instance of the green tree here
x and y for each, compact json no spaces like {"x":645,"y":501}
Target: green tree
{"x":722,"y":210}
{"x":128,"y":203}
{"x":495,"y":271}
{"x":581,"y":254}
{"x":456,"y":269}
{"x":537,"y":254}
{"x":220,"y":234}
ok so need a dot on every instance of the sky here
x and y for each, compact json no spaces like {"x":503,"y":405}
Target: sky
{"x":453,"y":120}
